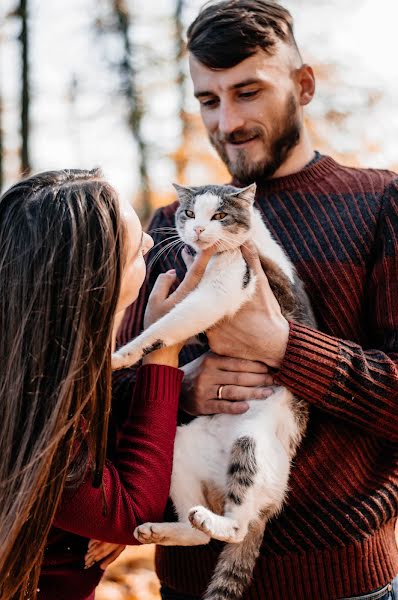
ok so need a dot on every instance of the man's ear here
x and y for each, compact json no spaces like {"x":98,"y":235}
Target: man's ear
{"x":306,"y":82}
{"x":184,"y":193}
{"x":247,"y":194}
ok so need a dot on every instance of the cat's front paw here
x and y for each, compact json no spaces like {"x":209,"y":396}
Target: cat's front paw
{"x":149,"y":533}
{"x":118,"y":361}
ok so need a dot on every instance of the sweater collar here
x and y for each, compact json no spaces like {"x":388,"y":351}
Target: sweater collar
{"x":311,"y":173}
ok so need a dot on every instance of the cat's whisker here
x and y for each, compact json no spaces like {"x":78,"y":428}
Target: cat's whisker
{"x":167,"y":239}
{"x":164,"y":249}
{"x":161,"y":250}
{"x":178,"y":249}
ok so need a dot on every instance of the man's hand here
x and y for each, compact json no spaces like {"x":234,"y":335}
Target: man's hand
{"x":258,"y":331}
{"x":241,"y":380}
{"x":102,"y":551}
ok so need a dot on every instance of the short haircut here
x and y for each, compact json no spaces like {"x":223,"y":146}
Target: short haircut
{"x":226,"y":33}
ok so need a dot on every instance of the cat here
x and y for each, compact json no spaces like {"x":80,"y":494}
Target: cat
{"x":239,"y":479}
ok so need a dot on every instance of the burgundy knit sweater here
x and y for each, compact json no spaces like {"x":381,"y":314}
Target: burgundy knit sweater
{"x":136,"y":484}
{"x":335,"y":536}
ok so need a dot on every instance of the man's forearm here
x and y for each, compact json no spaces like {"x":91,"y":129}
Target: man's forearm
{"x":338,"y":376}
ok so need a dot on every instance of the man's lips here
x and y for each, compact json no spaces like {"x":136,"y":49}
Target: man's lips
{"x":242,"y":142}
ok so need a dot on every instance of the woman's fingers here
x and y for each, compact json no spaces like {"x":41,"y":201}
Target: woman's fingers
{"x":157,"y":305}
{"x":187,"y":258}
{"x":162,"y":286}
{"x":193,"y":275}
{"x":98,"y":550}
{"x":113,"y":556}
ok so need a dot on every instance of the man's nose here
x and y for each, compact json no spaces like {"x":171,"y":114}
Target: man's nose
{"x":229,"y":118}
{"x":198,"y":229}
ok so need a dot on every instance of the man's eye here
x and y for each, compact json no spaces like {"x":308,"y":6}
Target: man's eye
{"x":219,"y":216}
{"x":209,"y":103}
{"x":248,"y":94}
{"x":190,"y":214}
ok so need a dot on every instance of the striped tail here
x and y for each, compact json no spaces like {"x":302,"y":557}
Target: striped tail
{"x":234,"y":569}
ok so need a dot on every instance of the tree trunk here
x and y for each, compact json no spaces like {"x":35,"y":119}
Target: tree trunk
{"x":136,"y":107}
{"x":25,"y":90}
{"x":1,"y":145}
{"x":181,"y":156}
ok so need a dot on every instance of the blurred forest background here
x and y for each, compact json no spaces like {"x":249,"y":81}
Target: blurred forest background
{"x":87,"y":83}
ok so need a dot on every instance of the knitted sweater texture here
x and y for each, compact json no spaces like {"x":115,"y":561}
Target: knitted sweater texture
{"x":136,"y":483}
{"x":335,"y":535}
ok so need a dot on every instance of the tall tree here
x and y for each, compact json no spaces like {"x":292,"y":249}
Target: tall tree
{"x":1,"y":144}
{"x":25,"y":88}
{"x":130,"y":89}
{"x":181,"y":156}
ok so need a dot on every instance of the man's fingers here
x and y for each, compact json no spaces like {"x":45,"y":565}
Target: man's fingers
{"x":240,"y":393}
{"x":250,"y":254}
{"x":251,"y":380}
{"x":214,"y":407}
{"x":226,"y":363}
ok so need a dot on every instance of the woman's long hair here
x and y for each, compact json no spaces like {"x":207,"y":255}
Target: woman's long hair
{"x":60,"y":272}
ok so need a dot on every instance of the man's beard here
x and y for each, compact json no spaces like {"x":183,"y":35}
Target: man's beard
{"x":284,"y":140}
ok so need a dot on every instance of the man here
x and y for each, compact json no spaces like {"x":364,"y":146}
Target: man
{"x":335,"y":536}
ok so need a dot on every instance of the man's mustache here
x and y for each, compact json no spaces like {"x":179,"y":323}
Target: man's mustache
{"x":239,"y":135}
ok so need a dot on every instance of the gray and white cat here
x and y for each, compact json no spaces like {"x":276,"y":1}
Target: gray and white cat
{"x":239,"y":479}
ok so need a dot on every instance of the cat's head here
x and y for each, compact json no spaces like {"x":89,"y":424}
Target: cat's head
{"x":214,"y":214}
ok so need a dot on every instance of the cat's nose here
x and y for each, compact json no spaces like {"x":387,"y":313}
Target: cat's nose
{"x":198,"y":229}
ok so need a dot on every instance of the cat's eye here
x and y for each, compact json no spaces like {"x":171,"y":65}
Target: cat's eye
{"x":190,"y":214}
{"x":219,"y":216}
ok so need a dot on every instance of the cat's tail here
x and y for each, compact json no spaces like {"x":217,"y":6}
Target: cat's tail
{"x":235,"y":565}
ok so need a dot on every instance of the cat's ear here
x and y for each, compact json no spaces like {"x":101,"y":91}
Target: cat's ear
{"x":247,"y":194}
{"x":184,"y":193}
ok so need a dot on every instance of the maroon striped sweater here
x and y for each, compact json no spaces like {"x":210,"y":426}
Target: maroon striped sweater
{"x":335,"y":536}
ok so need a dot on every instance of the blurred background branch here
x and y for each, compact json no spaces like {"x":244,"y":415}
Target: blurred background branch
{"x":105,"y":83}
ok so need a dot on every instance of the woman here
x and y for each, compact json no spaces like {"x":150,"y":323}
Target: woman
{"x":70,"y":263}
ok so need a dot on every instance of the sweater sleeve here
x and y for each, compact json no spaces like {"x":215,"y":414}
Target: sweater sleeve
{"x":136,"y":485}
{"x":357,"y":385}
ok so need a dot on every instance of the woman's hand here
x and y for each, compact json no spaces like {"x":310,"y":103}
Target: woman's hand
{"x":101,"y":551}
{"x":160,"y":302}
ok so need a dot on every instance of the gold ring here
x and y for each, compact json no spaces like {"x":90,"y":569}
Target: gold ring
{"x":219,"y":392}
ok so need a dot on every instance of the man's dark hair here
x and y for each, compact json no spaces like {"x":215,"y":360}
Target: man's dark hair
{"x":225,"y":33}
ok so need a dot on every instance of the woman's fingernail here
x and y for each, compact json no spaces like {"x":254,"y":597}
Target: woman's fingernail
{"x":171,"y":272}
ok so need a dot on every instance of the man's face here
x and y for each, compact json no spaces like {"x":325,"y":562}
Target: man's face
{"x":251,"y":112}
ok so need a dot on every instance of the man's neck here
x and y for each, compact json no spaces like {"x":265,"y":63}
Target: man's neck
{"x":299,"y":157}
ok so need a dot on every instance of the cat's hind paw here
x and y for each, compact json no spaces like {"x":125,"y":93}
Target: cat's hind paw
{"x":201,"y":518}
{"x":216,"y":526}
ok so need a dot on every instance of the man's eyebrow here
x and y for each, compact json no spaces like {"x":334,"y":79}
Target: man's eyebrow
{"x":245,"y":83}
{"x":236,"y":86}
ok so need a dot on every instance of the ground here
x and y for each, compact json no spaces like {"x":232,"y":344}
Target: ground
{"x":131,"y":576}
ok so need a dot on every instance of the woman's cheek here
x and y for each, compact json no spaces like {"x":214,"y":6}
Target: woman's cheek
{"x":132,"y":280}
